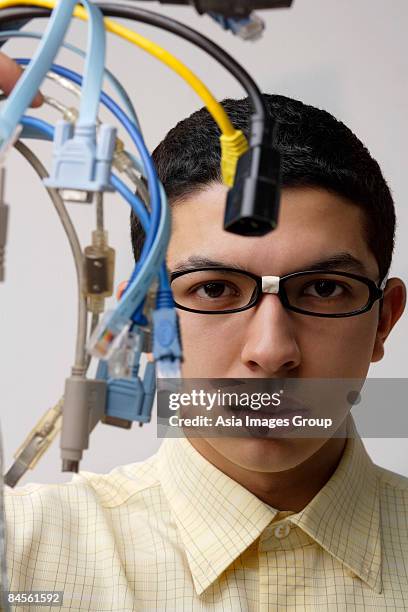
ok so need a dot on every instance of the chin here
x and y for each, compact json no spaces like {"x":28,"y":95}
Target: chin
{"x":266,"y":455}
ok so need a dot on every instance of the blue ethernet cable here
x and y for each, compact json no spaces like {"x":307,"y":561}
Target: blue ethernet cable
{"x":149,"y":169}
{"x":164,"y":280}
{"x":34,"y":125}
{"x":26,"y":88}
{"x":165,"y":296}
{"x":167,"y":345}
{"x":125,"y":99}
{"x":135,"y":203}
{"x":164,"y":231}
{"x":142,"y":214}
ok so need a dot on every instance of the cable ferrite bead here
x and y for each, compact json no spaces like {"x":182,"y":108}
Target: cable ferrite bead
{"x":99,"y":262}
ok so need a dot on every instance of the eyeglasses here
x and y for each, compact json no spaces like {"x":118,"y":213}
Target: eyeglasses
{"x":318,"y":293}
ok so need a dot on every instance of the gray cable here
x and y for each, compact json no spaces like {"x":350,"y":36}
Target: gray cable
{"x":94,"y":323}
{"x":99,"y":211}
{"x":65,"y":83}
{"x":81,"y":360}
{"x":69,"y":114}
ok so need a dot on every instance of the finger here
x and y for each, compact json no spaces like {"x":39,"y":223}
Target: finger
{"x":10,"y":72}
{"x":121,"y":289}
{"x":38,"y":100}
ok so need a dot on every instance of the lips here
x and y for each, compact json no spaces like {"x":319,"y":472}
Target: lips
{"x":291,"y":406}
{"x":287,"y":409}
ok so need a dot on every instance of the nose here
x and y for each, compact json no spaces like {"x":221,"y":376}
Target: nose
{"x":270,"y":346}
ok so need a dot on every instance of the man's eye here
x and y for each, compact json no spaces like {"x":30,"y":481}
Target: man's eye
{"x":324,"y":289}
{"x":215,"y":289}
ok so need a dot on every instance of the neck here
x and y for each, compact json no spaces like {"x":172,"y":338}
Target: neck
{"x":289,"y":490}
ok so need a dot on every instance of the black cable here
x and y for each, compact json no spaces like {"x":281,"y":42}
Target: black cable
{"x":197,"y":39}
{"x":21,"y":14}
{"x":253,"y":201}
{"x":16,"y":18}
{"x":166,"y":23}
{"x":231,"y":8}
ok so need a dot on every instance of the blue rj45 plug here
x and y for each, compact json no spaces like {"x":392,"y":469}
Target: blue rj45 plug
{"x":80,"y":162}
{"x":130,"y":398}
{"x":166,"y":337}
{"x":247,"y":28}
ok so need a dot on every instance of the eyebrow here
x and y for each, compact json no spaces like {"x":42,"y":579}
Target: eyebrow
{"x":195,"y":261}
{"x":342,"y":261}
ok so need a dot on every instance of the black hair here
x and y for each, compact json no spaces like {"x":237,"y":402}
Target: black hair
{"x":317,"y":151}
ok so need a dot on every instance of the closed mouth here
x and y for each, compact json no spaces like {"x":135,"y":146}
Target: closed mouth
{"x":288,"y":407}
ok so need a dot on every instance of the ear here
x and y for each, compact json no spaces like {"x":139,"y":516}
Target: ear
{"x":393,"y":305}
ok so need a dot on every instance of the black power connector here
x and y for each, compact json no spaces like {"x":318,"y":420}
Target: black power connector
{"x":253,"y":201}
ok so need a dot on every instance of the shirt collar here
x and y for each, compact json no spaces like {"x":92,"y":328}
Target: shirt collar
{"x":344,"y":516}
{"x":218,"y":518}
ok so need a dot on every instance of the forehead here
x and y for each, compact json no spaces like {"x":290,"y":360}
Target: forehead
{"x":313,"y":225}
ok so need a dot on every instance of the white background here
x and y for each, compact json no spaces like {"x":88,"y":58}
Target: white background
{"x":350,"y":58}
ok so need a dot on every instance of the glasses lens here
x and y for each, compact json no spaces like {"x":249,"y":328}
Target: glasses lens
{"x":213,"y":290}
{"x":327,"y":294}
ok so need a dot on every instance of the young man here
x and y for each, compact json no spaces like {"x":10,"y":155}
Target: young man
{"x":245,"y":524}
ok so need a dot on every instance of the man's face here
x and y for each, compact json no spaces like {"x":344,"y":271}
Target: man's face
{"x":268,"y":341}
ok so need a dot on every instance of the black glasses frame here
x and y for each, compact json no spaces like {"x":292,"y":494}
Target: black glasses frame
{"x":375,"y":292}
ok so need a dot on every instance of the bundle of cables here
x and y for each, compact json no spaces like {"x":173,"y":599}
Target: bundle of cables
{"x":85,"y":155}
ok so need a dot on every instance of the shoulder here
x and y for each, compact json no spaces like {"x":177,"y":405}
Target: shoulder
{"x":92,"y":523}
{"x":85,"y":489}
{"x":393,"y":496}
{"x":392,"y":480}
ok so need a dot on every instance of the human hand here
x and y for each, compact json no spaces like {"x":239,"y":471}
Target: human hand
{"x":10,"y":72}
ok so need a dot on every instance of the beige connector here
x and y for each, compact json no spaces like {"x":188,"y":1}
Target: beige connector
{"x":36,"y":443}
{"x":99,"y":262}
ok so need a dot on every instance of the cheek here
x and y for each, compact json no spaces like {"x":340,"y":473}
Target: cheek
{"x":338,"y":348}
{"x":209,"y":344}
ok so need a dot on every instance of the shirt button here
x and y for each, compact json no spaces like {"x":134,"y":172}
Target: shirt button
{"x":281,"y":531}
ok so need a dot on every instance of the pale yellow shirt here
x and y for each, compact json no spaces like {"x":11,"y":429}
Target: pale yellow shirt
{"x":173,"y":533}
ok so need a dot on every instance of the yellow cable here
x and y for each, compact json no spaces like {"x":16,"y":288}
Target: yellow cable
{"x":164,"y":56}
{"x":233,"y":142}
